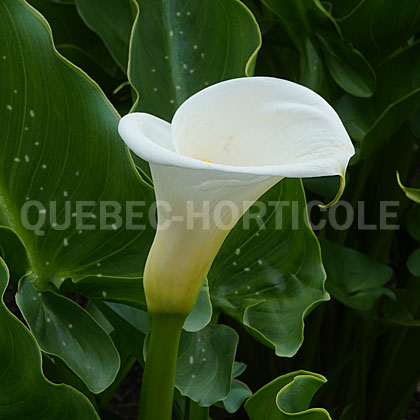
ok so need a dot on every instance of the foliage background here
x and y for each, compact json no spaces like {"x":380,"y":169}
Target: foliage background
{"x":59,"y":142}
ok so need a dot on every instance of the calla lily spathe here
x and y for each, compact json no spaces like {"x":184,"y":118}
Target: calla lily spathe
{"x":230,"y":142}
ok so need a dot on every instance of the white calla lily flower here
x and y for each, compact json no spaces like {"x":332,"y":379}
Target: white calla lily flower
{"x":227,"y":145}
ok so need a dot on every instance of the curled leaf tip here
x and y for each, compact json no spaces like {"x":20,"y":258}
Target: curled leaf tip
{"x":339,"y":193}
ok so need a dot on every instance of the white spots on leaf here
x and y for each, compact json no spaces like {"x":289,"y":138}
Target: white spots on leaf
{"x":70,"y":326}
{"x":234,"y":263}
{"x":206,"y":84}
{"x":178,"y":13}
{"x":16,"y":159}
{"x":77,"y":173}
{"x":257,"y":293}
{"x":203,"y":350}
{"x":188,"y":13}
{"x":238,"y":251}
{"x":155,"y":89}
{"x":99,"y":275}
{"x":36,"y":143}
{"x":184,"y":66}
{"x":247,"y":269}
{"x":63,"y":343}
{"x":9,"y":107}
{"x":172,"y":101}
{"x":181,"y":32}
{"x":166,"y":57}
{"x":195,"y":47}
{"x":26,"y":128}
{"x":47,"y":263}
{"x":191,"y":360}
{"x":171,"y":33}
{"x":178,"y":87}
{"x":104,"y":293}
{"x":66,"y":242}
{"x":44,"y":166}
{"x":257,"y":234}
{"x":65,"y":193}
{"x":4,"y":57}
{"x":34,"y":298}
{"x":32,"y":113}
{"x":153,"y":70}
{"x":48,"y":320}
{"x":98,"y":264}
{"x":260,"y":262}
{"x":202,"y":55}
{"x":26,"y":158}
{"x":193,"y":376}
{"x":248,"y":287}
{"x":15,"y":91}
{"x":41,"y":188}
{"x":192,"y":71}
{"x":204,"y":359}
{"x":236,"y":292}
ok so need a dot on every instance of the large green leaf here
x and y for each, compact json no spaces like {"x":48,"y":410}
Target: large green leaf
{"x":353,"y":278}
{"x":288,"y":397}
{"x":314,"y":33}
{"x":180,"y":47}
{"x":205,"y":364}
{"x":25,"y":392}
{"x":373,"y":121}
{"x":60,"y":146}
{"x":112,"y":21}
{"x":64,"y":328}
{"x":268,"y":274}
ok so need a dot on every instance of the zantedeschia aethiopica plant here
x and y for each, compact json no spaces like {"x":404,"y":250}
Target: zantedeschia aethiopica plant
{"x":229,"y":143}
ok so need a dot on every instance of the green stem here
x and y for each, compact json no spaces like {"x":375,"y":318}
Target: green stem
{"x":158,"y":381}
{"x":196,"y":412}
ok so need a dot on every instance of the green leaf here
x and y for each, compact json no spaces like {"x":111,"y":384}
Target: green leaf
{"x":348,"y":67}
{"x":205,"y":364}
{"x":65,"y":329}
{"x":78,"y":43}
{"x":239,"y":392}
{"x":379,"y":28}
{"x":353,"y":278}
{"x":403,"y":310}
{"x":413,"y":263}
{"x":202,"y":312}
{"x":373,"y":121}
{"x":287,"y":397}
{"x":174,"y":54}
{"x":60,"y":145}
{"x":268,"y":274}
{"x":25,"y":392}
{"x":13,"y":251}
{"x":314,"y":32}
{"x":411,"y":193}
{"x":112,"y":21}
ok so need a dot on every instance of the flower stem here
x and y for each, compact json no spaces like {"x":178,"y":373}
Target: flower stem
{"x":196,"y":412}
{"x":158,"y":381}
